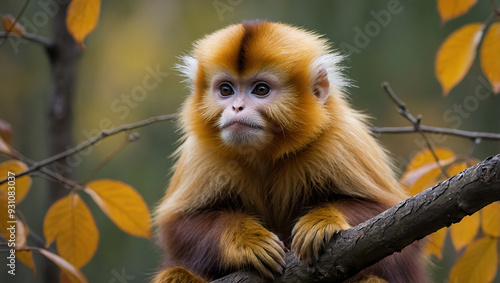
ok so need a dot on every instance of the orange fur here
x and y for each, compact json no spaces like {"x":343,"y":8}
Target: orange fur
{"x":176,"y":275}
{"x":235,"y":205}
{"x":317,"y":226}
{"x":249,"y":243}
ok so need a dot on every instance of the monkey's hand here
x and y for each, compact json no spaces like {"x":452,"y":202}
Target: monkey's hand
{"x":313,"y":229}
{"x":249,"y":243}
{"x":177,"y":275}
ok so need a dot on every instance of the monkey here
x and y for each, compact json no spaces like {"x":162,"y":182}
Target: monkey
{"x":272,"y":158}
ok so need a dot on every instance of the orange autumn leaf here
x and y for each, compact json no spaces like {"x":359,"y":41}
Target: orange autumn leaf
{"x":70,"y":222}
{"x":75,"y":275}
{"x":465,"y":231}
{"x":456,"y":54}
{"x":491,"y":219}
{"x":5,"y":137}
{"x":5,"y":131}
{"x":478,"y":264}
{"x":9,"y":24}
{"x":82,"y":17}
{"x":123,"y":205}
{"x":21,"y":231}
{"x":424,"y":162}
{"x":435,"y":243}
{"x":490,"y":62}
{"x":23,"y":256}
{"x":426,"y":181}
{"x":16,"y":186}
{"x":456,"y":168}
{"x":450,"y":9}
{"x":5,"y":148}
{"x":5,"y":216}
{"x":26,"y":257}
{"x":63,"y":278}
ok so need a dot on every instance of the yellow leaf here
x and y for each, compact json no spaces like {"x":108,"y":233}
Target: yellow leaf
{"x":8,"y":22}
{"x":491,"y":219}
{"x":72,"y":272}
{"x":435,"y":243}
{"x":450,"y":9}
{"x":4,"y":215}
{"x":81,"y":18}
{"x":465,"y":231}
{"x":490,"y":63}
{"x":456,"y":168}
{"x":426,"y":181}
{"x":456,"y":54}
{"x":5,"y":148}
{"x":23,"y":256}
{"x":16,"y":188}
{"x":63,"y":278}
{"x":423,"y":162}
{"x":5,"y":131}
{"x":123,"y":205}
{"x":26,"y":257}
{"x":70,"y":222}
{"x":478,"y":264}
{"x":8,"y":218}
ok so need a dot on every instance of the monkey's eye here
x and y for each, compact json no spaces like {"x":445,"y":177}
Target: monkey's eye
{"x":261,"y":89}
{"x":225,"y":89}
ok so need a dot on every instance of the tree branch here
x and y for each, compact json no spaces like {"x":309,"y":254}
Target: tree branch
{"x":353,"y":250}
{"x":436,"y":130}
{"x":403,"y":110}
{"x":28,"y":36}
{"x":93,"y":140}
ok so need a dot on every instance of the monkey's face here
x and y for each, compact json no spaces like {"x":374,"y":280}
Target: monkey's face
{"x":244,"y":102}
{"x":261,"y":85}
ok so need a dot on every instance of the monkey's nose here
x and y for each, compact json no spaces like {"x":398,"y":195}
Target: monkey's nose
{"x":237,"y":108}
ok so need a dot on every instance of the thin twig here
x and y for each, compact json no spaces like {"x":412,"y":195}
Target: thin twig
{"x":436,"y":130}
{"x":45,"y":173}
{"x":13,"y":25}
{"x":28,"y":36}
{"x":472,"y":146}
{"x":93,"y":140}
{"x":108,"y":158}
{"x":403,"y":110}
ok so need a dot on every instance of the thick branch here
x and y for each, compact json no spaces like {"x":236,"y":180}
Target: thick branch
{"x":359,"y":247}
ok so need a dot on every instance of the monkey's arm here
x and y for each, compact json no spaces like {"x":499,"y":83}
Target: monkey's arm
{"x":211,"y":243}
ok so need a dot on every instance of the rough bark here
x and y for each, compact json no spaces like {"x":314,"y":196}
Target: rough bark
{"x":62,"y":54}
{"x":359,"y":247}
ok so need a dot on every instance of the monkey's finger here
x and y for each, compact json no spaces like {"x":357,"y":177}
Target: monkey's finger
{"x":298,"y":241}
{"x":317,"y":243}
{"x":278,"y":254}
{"x":279,"y":242}
{"x":261,"y":268}
{"x":271,"y":256}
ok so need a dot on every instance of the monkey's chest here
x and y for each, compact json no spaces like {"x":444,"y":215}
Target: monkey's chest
{"x":277,"y":208}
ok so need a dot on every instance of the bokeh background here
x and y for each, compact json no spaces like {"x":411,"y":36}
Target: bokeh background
{"x":134,"y":36}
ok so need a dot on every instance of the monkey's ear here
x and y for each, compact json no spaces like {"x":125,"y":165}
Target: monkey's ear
{"x":321,"y":85}
{"x":327,"y":76}
{"x":188,"y":67}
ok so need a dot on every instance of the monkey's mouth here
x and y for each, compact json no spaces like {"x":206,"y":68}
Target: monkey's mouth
{"x":240,"y":124}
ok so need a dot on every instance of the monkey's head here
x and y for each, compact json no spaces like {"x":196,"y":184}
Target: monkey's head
{"x":262,"y":85}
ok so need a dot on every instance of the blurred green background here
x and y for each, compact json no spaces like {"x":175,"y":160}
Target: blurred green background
{"x":134,"y":36}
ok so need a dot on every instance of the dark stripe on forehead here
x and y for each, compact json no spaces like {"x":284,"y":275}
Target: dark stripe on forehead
{"x":249,"y":30}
